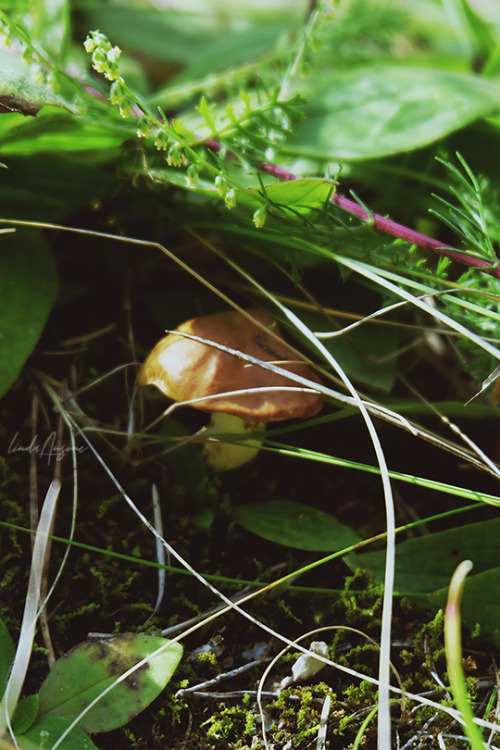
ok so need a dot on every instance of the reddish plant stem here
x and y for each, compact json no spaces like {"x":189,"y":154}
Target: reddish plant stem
{"x":393,"y":228}
{"x":382,"y":223}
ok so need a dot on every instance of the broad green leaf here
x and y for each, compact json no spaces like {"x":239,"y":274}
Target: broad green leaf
{"x":25,"y":714}
{"x":166,"y":36}
{"x":426,"y":563}
{"x":48,"y":24}
{"x":48,"y":729}
{"x":371,"y":112}
{"x":28,"y":287}
{"x":480,"y":603}
{"x":7,"y":653}
{"x":90,"y":667}
{"x":231,"y":49}
{"x":301,"y":196}
{"x":58,"y":132}
{"x":48,"y":188}
{"x":295,"y":525}
{"x":21,"y":92}
{"x":367,"y":353}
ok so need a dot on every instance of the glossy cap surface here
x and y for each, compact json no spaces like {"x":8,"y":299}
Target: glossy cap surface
{"x":184,"y":369}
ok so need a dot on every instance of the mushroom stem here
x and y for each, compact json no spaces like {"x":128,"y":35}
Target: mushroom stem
{"x":223,"y":455}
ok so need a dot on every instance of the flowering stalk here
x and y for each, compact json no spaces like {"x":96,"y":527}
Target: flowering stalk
{"x":172,"y":138}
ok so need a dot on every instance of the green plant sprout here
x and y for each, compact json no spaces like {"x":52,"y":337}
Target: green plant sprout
{"x":453,"y":645}
{"x":474,"y":219}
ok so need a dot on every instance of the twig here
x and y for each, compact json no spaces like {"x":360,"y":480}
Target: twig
{"x":219,"y":678}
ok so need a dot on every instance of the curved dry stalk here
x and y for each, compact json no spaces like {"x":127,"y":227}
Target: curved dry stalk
{"x":31,"y":610}
{"x":230,"y":605}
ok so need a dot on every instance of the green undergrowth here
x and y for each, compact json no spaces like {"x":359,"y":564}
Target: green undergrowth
{"x":334,"y":164}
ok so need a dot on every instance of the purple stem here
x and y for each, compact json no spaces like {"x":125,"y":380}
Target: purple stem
{"x":381,"y":222}
{"x":393,"y":228}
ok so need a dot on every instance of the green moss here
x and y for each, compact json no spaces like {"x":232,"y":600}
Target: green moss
{"x":231,"y":723}
{"x":359,"y":695}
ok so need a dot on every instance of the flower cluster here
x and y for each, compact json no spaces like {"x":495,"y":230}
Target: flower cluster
{"x":166,"y":137}
{"x":105,"y":60}
{"x":104,"y":56}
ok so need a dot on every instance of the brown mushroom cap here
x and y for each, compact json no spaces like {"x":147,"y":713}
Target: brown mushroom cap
{"x":184,"y":369}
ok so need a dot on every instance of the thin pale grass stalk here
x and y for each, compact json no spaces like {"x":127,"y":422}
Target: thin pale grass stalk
{"x":310,"y":634}
{"x":453,"y":650}
{"x":33,"y":466}
{"x":334,"y":312}
{"x":462,"y":435}
{"x":452,"y":289}
{"x":384,"y":714}
{"x":380,"y":277}
{"x":231,"y":606}
{"x":31,"y":611}
{"x":373,"y":408}
{"x":384,"y":717}
{"x":44,"y":583}
{"x":69,"y":540}
{"x":375,"y":315}
{"x":323,"y":723}
{"x":431,"y":484}
{"x":160,"y":549}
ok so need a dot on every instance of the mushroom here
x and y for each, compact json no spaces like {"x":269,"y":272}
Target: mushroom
{"x":185,"y":370}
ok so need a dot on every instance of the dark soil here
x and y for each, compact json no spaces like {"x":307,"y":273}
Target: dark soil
{"x":114,"y":304}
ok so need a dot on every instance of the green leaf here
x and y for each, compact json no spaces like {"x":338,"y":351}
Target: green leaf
{"x":47,"y":731}
{"x":480,"y":603}
{"x":90,"y":667}
{"x":21,"y":92}
{"x":7,"y":653}
{"x":295,"y":525}
{"x":165,"y":36}
{"x":232,"y":48}
{"x":425,"y":564}
{"x":372,"y":112}
{"x":301,"y":196}
{"x":28,"y":286}
{"x":367,"y":353}
{"x":58,"y":132}
{"x":41,"y":187}
{"x":25,"y":714}
{"x":48,"y":24}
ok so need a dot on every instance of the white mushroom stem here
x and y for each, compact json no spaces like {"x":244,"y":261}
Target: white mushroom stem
{"x":222,"y":455}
